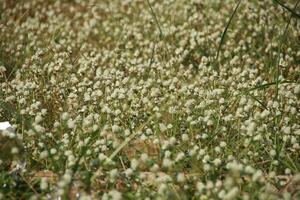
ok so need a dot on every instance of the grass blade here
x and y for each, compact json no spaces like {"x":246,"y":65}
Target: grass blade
{"x":292,"y":11}
{"x":258,"y":101}
{"x":278,"y":52}
{"x":226,"y":28}
{"x":155,"y":18}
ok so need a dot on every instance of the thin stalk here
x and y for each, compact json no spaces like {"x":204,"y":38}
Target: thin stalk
{"x":226,"y":28}
{"x":292,"y":11}
{"x":278,"y":52}
{"x":278,"y":72}
{"x":155,"y":18}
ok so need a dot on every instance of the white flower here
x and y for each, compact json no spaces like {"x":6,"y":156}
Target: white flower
{"x":67,"y":177}
{"x":200,"y":186}
{"x":65,"y":116}
{"x":223,"y":144}
{"x":162,"y":188}
{"x":154,"y":168}
{"x":144,"y":157}
{"x":14,"y":150}
{"x":53,"y":151}
{"x":71,"y":124}
{"x":38,"y":119}
{"x":297,"y":89}
{"x":115,"y":195}
{"x":134,"y":163}
{"x":128,"y":172}
{"x":44,"y":154}
{"x":217,"y":161}
{"x":114,"y":173}
{"x":43,"y":184}
{"x":180,"y":177}
{"x":273,"y":152}
{"x":115,"y":128}
{"x":185,"y":137}
{"x":179,"y":156}
{"x":257,"y":175}
{"x":162,"y":127}
{"x":84,"y":197}
{"x":167,"y":163}
{"x":232,"y":194}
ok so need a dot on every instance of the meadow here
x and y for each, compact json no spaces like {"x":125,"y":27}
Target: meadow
{"x":150,"y":99}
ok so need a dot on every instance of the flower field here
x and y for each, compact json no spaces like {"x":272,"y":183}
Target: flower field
{"x":150,"y":99}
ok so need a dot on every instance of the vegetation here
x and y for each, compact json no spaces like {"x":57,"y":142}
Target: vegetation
{"x":150,"y":99}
